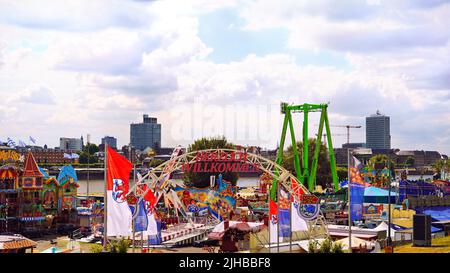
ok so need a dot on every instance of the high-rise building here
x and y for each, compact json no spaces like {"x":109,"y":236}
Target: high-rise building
{"x":378,"y":132}
{"x":111,"y":141}
{"x":146,"y":134}
{"x":73,"y":144}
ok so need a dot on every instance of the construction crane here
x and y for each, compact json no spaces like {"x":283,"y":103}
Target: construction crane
{"x":325,"y":137}
{"x":348,"y":129}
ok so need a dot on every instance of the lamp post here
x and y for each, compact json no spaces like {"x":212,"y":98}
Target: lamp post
{"x":349,"y":201}
{"x":389,"y":206}
{"x":87,"y":181}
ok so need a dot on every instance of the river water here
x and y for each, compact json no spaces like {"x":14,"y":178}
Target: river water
{"x":98,"y":186}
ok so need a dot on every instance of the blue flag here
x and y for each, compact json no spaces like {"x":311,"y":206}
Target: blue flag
{"x":285,"y":222}
{"x":356,"y":201}
{"x":356,"y":189}
{"x":156,"y":239}
{"x":141,"y":221}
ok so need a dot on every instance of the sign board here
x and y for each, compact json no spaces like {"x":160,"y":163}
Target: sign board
{"x":309,"y":207}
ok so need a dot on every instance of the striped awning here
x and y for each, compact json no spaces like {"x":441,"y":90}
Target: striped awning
{"x":8,"y":173}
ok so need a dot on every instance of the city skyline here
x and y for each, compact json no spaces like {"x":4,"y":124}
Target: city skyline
{"x":64,"y":74}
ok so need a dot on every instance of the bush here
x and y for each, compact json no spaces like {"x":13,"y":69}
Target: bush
{"x":312,"y":246}
{"x":327,"y":246}
{"x":337,"y":248}
{"x":120,"y":246}
{"x":96,"y":248}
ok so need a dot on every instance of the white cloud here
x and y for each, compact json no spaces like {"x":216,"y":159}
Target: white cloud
{"x":34,"y":94}
{"x":97,"y":73}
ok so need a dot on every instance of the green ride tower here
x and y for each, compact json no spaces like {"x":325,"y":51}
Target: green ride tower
{"x":306,"y":174}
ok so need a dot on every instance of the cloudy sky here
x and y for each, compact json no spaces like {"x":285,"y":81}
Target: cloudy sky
{"x":205,"y":67}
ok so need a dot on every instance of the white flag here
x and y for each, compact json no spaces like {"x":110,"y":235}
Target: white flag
{"x":298,"y":223}
{"x":10,"y":143}
{"x":273,"y":226}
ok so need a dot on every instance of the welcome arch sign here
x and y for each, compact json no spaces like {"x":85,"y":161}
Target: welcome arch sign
{"x":226,"y":160}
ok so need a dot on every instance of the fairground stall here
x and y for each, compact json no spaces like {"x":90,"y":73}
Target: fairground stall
{"x":9,"y":197}
{"x":31,"y":198}
{"x":67,"y":196}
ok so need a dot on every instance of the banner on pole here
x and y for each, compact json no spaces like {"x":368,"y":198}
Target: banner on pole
{"x":119,"y":215}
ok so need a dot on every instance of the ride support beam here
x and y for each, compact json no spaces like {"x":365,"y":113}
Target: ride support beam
{"x":315,"y":161}
{"x":279,"y":160}
{"x":305,"y":144}
{"x":294,"y":148}
{"x":331,"y":152}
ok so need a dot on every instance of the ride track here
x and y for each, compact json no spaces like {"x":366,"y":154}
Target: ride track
{"x":161,"y":183}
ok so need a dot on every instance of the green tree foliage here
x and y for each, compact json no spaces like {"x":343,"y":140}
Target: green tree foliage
{"x":90,"y":148}
{"x":156,"y":163}
{"x":410,"y":161}
{"x":84,"y":158}
{"x":88,"y":152}
{"x":442,"y":165}
{"x":323,"y":176}
{"x":201,"y":180}
{"x":342,"y":173}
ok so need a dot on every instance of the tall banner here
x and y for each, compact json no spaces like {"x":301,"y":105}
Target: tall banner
{"x":117,"y":181}
{"x":141,"y":219}
{"x":356,"y":188}
{"x":283,"y":213}
{"x":154,"y":236}
{"x":273,"y":221}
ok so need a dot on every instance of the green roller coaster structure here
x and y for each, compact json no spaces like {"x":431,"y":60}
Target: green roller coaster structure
{"x":304,"y":173}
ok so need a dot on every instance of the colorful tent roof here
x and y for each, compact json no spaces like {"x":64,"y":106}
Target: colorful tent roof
{"x":8,"y":172}
{"x":67,"y":174}
{"x":44,"y":173}
{"x":31,"y":168}
{"x":373,"y":191}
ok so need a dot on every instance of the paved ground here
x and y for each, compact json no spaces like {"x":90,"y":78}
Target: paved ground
{"x":62,"y":242}
{"x":438,"y":245}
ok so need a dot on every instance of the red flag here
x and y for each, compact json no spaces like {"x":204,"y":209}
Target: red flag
{"x":273,"y":208}
{"x":119,"y":169}
{"x":297,"y":189}
{"x":149,"y":196}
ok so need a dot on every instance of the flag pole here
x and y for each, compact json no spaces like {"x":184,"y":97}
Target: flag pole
{"x":290,"y":221}
{"x":105,"y":201}
{"x":88,"y":163}
{"x":278,"y":217}
{"x":349,"y":205}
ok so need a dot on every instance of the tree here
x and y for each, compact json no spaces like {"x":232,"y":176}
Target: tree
{"x":410,"y":161}
{"x":84,"y":158}
{"x":342,"y":173}
{"x":201,"y":180}
{"x":90,"y":148}
{"x":88,"y":152}
{"x":442,"y":165}
{"x":323,"y":177}
{"x":156,"y":162}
